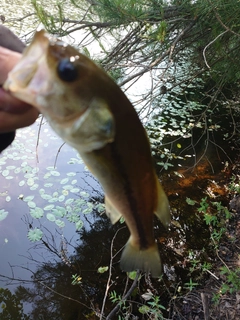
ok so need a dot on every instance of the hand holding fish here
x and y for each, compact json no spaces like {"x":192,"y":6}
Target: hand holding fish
{"x":90,"y":112}
{"x":13,"y":112}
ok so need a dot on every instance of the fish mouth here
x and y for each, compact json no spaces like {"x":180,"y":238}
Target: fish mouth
{"x":34,"y":79}
{"x":19,"y":81}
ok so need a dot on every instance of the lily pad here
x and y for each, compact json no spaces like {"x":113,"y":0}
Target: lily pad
{"x":35,"y":234}
{"x":31,"y":204}
{"x":51,"y":217}
{"x":21,"y":183}
{"x":3,"y":214}
{"x":5,"y":173}
{"x":49,"y":207}
{"x":71,"y":174}
{"x":29,"y":198}
{"x":64,"y":181}
{"x":36,"y":212}
{"x":60,"y":223}
{"x":79,"y":225}
{"x":61,"y":198}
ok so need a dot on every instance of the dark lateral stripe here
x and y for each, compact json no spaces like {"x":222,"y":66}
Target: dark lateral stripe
{"x":129,"y":195}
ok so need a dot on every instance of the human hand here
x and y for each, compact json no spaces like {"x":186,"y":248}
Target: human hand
{"x":14,"y":113}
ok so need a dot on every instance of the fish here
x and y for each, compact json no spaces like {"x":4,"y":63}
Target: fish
{"x":89,"y":111}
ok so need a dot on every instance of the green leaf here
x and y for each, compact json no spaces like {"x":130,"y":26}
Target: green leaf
{"x":35,"y":234}
{"x":59,"y":212}
{"x":31,"y":204}
{"x":79,"y":225}
{"x":3,"y":214}
{"x":190,"y":201}
{"x":51,"y":217}
{"x":144,"y":309}
{"x":132,"y":275}
{"x":36,"y":212}
{"x":60,"y":223}
{"x":49,"y":207}
{"x":102,"y":269}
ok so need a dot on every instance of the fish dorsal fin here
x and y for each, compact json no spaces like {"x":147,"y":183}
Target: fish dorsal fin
{"x":162,"y":210}
{"x":113,"y":214}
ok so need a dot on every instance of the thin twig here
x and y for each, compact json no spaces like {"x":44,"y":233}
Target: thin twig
{"x":110,"y":274}
{"x":117,"y":307}
{"x":209,"y":44}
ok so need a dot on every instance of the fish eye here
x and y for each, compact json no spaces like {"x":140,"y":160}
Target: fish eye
{"x":67,"y":71}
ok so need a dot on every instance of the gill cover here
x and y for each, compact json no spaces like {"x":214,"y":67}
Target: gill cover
{"x":93,"y":129}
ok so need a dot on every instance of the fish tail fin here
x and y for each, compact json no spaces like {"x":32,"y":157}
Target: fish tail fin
{"x":162,"y":210}
{"x":148,"y":260}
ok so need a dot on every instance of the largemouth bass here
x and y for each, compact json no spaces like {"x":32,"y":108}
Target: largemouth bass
{"x":90,"y":112}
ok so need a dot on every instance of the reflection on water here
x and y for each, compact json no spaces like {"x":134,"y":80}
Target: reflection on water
{"x":38,"y":198}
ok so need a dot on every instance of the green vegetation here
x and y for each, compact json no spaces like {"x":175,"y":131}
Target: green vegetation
{"x":178,"y":61}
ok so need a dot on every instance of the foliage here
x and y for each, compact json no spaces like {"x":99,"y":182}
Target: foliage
{"x":10,"y":306}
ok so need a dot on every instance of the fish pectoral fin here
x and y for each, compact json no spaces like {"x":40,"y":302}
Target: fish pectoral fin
{"x":163,"y":210}
{"x":148,"y":260}
{"x":113,"y":214}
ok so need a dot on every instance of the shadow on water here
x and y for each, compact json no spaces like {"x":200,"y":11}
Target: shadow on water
{"x":58,"y":275}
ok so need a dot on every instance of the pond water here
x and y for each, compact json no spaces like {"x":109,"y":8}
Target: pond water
{"x":46,"y":196}
{"x":53,"y":238}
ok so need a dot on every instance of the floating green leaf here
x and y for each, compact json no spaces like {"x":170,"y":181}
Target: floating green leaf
{"x":71,"y":174}
{"x":35,"y":234}
{"x":34,"y":187}
{"x":29,"y":198}
{"x":55,"y":173}
{"x":69,"y":201}
{"x":49,"y":207}
{"x":36,"y":212}
{"x":41,"y":191}
{"x":84,"y":194}
{"x":21,"y":183}
{"x":31,"y":204}
{"x":51,"y":217}
{"x":9,"y":177}
{"x":8,"y":199}
{"x":46,"y":196}
{"x":47,"y":175}
{"x":61,"y":198}
{"x":73,"y":217}
{"x":68,"y":187}
{"x":3,"y":214}
{"x":10,"y":167}
{"x":64,"y":181}
{"x":59,"y":211}
{"x":5,"y":173}
{"x":17,"y":170}
{"x":48,"y":185}
{"x":60,"y":223}
{"x":79,"y":225}
{"x":30,"y":182}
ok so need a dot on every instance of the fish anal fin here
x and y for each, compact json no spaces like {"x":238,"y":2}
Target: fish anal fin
{"x":113,"y":214}
{"x":145,"y":260}
{"x":162,"y":210}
